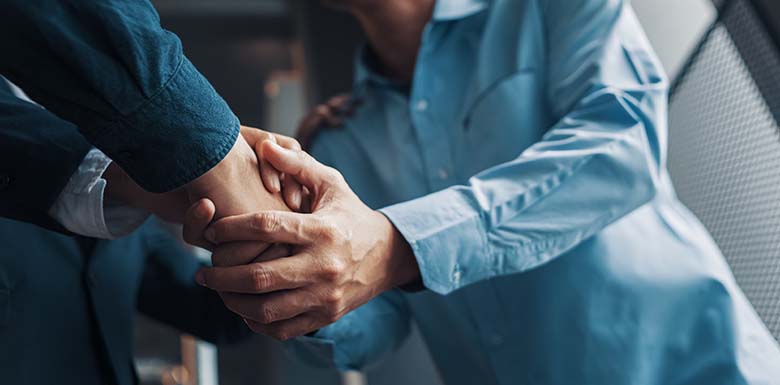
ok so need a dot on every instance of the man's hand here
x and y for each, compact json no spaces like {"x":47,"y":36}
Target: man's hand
{"x":274,"y":181}
{"x":330,"y":114}
{"x":235,"y":186}
{"x":344,"y":254}
{"x":120,"y":187}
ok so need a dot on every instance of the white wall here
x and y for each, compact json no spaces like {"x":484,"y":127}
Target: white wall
{"x":674,"y":27}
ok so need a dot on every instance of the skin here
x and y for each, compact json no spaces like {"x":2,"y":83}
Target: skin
{"x":227,"y":184}
{"x":394,"y":30}
{"x":343,"y":253}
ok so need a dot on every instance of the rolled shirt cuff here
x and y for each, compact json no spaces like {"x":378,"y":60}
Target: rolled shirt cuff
{"x":179,"y":134}
{"x":80,"y":207}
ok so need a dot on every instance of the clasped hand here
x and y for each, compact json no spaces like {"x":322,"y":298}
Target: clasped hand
{"x":325,"y":262}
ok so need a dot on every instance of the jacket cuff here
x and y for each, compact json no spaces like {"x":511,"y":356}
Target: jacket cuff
{"x":182,"y":131}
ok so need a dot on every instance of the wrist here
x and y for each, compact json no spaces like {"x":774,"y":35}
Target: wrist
{"x":402,"y":264}
{"x":120,"y":187}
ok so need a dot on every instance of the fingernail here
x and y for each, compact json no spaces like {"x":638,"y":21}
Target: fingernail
{"x":210,"y":235}
{"x":200,"y":278}
{"x":276,"y":185}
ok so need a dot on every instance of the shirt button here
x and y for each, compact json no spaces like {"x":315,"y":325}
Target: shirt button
{"x":443,"y":174}
{"x":5,"y":181}
{"x":421,"y":105}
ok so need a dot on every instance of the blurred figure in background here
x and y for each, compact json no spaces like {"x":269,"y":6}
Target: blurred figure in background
{"x":516,"y":151}
{"x":68,"y":304}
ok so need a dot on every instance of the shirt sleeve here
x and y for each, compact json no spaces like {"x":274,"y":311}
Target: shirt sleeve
{"x":81,"y":209}
{"x":29,"y":185}
{"x":600,"y":161}
{"x":361,"y":337}
{"x":168,"y":292}
{"x":110,"y":68}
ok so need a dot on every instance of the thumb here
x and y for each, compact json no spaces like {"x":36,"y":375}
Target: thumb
{"x":297,"y":164}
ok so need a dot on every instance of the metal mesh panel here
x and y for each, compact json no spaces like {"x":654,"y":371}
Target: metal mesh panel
{"x":724,"y":157}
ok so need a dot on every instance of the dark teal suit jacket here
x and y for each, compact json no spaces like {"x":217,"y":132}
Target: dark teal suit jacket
{"x":67,"y":305}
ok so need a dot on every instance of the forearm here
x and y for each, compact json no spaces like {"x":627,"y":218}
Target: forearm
{"x":142,"y":103}
{"x":246,"y":196}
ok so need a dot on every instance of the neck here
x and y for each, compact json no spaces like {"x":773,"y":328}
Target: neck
{"x":394,"y":30}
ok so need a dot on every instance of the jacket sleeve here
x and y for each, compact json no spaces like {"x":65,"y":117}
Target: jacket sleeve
{"x":360,"y":338}
{"x":38,"y":154}
{"x":108,"y":67}
{"x":597,"y":163}
{"x":169,"y":293}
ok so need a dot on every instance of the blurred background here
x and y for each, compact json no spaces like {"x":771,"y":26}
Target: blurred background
{"x":272,"y":60}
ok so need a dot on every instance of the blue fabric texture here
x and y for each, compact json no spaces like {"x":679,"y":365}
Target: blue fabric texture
{"x":35,"y":163}
{"x":526,"y":166}
{"x":110,"y":68}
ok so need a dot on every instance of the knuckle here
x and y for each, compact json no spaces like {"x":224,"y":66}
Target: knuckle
{"x":293,"y":143}
{"x":265,"y":223}
{"x":304,"y":157}
{"x":261,"y":278}
{"x":332,"y":269}
{"x":268,"y":315}
{"x":333,"y":298}
{"x":334,"y":175}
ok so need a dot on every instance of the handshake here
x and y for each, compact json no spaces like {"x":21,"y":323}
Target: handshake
{"x":294,"y":249}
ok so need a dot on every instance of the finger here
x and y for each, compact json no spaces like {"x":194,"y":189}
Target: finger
{"x":309,"y":126}
{"x":267,"y":226}
{"x":275,"y":252}
{"x":292,"y":191}
{"x":287,"y":142}
{"x":269,"y":308}
{"x":271,"y":176}
{"x":238,"y":253}
{"x":331,"y":115}
{"x":298,"y":164}
{"x":258,"y":278}
{"x":287,"y":329}
{"x":339,"y":102}
{"x":196,"y":220}
{"x":344,"y":104}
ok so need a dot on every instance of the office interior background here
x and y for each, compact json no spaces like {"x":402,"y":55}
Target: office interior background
{"x":274,"y":59}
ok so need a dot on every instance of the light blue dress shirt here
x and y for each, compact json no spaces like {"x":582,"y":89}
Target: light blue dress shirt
{"x":526,"y":167}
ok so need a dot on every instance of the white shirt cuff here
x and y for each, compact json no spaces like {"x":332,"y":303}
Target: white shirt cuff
{"x":81,"y":209}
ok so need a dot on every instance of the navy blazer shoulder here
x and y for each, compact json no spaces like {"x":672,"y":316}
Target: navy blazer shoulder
{"x":67,"y":305}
